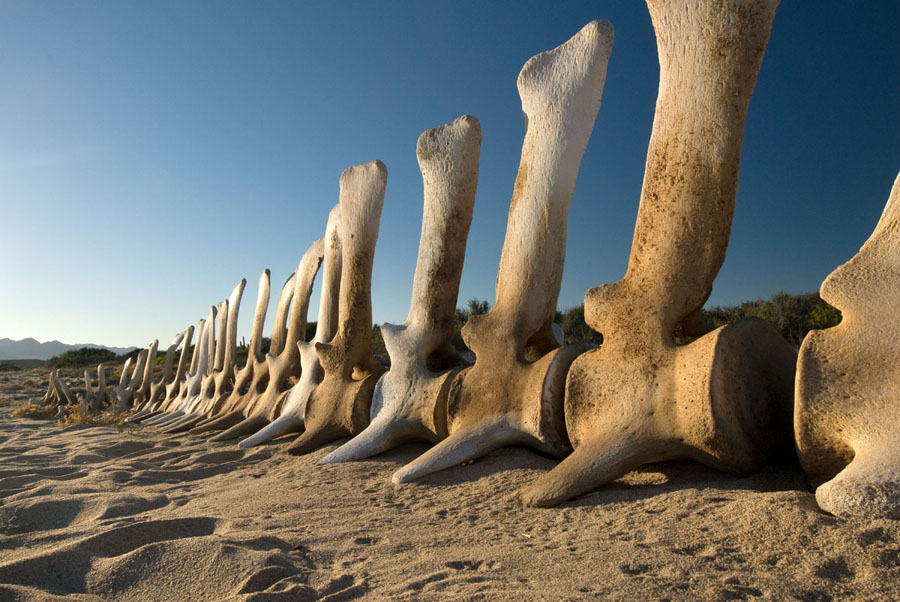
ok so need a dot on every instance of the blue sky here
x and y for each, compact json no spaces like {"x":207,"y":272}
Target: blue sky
{"x":154,"y":153}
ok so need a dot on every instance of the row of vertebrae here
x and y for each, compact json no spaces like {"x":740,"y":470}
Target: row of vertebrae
{"x":723,"y":399}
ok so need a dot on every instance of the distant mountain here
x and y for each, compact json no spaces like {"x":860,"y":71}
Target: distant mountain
{"x":30,"y":349}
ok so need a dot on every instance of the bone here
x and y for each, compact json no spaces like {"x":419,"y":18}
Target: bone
{"x":513,"y":392}
{"x":175,"y":405}
{"x":101,"y":396}
{"x":723,"y":399}
{"x":124,"y":391}
{"x":193,"y":383}
{"x":311,"y":374}
{"x":193,"y":410}
{"x":339,"y":406}
{"x":847,"y":413}
{"x":247,"y":401}
{"x":88,"y":399}
{"x":410,"y":400}
{"x":285,"y":364}
{"x":173,"y":386}
{"x":219,"y":384}
{"x":142,"y":393}
{"x":158,"y":387}
{"x":250,"y":380}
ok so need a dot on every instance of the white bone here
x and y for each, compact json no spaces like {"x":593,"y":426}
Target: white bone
{"x":847,"y":413}
{"x":311,"y":373}
{"x":513,"y":392}
{"x":339,"y":405}
{"x":286,"y":363}
{"x":723,"y":399}
{"x":251,"y":379}
{"x":410,"y":400}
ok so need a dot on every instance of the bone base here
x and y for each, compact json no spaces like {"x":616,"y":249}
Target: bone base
{"x":723,"y":400}
{"x":511,"y":402}
{"x":336,"y":409}
{"x":419,"y":415}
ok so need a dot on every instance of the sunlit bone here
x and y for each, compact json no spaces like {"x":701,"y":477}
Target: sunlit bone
{"x":339,"y":405}
{"x":62,"y":393}
{"x":259,"y":381}
{"x":191,"y":377}
{"x":158,"y":387}
{"x":513,"y":393}
{"x":124,"y":391}
{"x":217,"y":386}
{"x":252,"y":378}
{"x":847,"y":415}
{"x":311,"y":374}
{"x":142,"y":392}
{"x":410,"y":400}
{"x":168,"y":388}
{"x":723,"y":399}
{"x":285,"y":364}
{"x":214,"y":342}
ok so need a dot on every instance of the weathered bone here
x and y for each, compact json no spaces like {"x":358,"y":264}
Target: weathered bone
{"x":215,"y":343}
{"x":176,"y":404}
{"x":252,"y":378}
{"x":158,"y":387}
{"x":88,"y":400}
{"x":260,"y":376}
{"x":339,"y":405}
{"x":126,"y":388}
{"x":513,"y":393}
{"x":311,"y":374}
{"x":847,"y":413}
{"x":143,"y":390}
{"x":170,"y":387}
{"x":63,"y":393}
{"x":283,"y":365}
{"x":102,"y":396}
{"x":724,"y":399}
{"x":218,"y":384}
{"x":410,"y":400}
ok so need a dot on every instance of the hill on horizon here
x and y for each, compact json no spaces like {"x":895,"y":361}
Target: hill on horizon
{"x":32,"y":349}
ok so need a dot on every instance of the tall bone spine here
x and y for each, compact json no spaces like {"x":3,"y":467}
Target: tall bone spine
{"x":339,"y":405}
{"x":513,"y":393}
{"x":724,"y":398}
{"x":311,"y":374}
{"x":410,"y":400}
{"x":286,"y":363}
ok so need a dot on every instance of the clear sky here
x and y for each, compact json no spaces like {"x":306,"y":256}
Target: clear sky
{"x":154,"y":153}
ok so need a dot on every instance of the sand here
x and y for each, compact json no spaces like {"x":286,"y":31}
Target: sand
{"x":88,"y":513}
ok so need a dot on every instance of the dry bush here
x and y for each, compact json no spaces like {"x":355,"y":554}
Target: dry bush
{"x":80,"y":415}
{"x":32,"y":410}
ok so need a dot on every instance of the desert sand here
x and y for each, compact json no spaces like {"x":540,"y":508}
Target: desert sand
{"x":89,"y":513}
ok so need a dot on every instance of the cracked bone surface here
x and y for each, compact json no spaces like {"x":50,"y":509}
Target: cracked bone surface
{"x":284,"y":364}
{"x":847,"y":412}
{"x":294,"y":407}
{"x":725,"y":398}
{"x":512,"y":395}
{"x":410,"y":400}
{"x":339,"y":405}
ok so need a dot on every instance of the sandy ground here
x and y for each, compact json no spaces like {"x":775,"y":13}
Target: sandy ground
{"x":88,"y":513}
